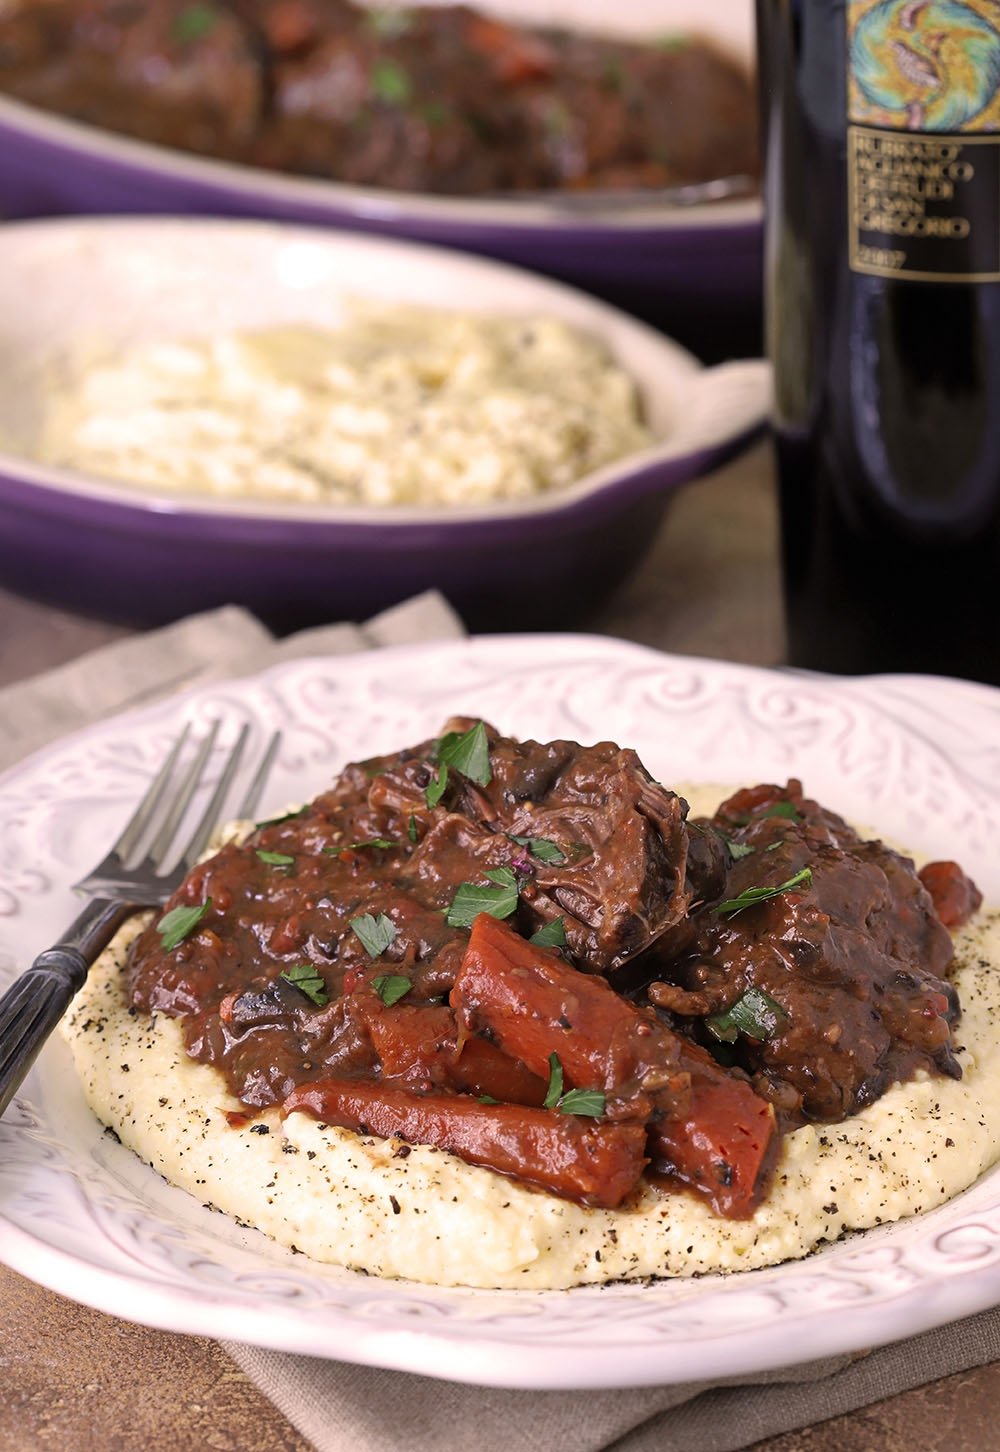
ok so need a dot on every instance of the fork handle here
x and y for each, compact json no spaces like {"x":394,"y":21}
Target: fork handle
{"x":35,"y":1002}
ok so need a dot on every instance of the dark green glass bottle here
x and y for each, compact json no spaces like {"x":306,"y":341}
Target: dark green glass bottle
{"x":882,"y":188}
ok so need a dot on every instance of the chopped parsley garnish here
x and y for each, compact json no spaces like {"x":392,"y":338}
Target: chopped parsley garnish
{"x":382,"y":842}
{"x":391,"y":987}
{"x":275,"y":859}
{"x":277,"y":821}
{"x":488,"y":1099}
{"x":471,"y":899}
{"x":436,"y":790}
{"x":390,"y":23}
{"x":775,"y":809}
{"x":411,"y":828}
{"x":738,"y":850}
{"x":783,"y":809}
{"x":552,"y":935}
{"x":672,"y":41}
{"x":193,"y":22}
{"x":305,"y":978}
{"x":436,"y":114}
{"x":541,"y":848}
{"x":755,"y":1013}
{"x":751,"y":895}
{"x":615,"y":75}
{"x":375,"y":933}
{"x":588,"y":1102}
{"x":468,"y":752}
{"x":554,"y":1092}
{"x":390,"y":83}
{"x":175,"y":926}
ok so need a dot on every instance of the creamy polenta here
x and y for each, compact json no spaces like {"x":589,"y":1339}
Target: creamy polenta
{"x":408,"y":407}
{"x":402,"y":1210}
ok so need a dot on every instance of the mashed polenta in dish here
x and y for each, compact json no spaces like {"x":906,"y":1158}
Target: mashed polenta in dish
{"x":500,"y":1013}
{"x":403,"y":407}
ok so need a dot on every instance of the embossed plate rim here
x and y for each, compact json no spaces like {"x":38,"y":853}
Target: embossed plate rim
{"x":86,"y":1218}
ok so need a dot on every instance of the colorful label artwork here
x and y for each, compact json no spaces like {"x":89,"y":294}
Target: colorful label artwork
{"x":923,"y":138}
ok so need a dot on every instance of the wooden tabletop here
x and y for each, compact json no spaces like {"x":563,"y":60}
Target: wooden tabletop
{"x":73,"y":1378}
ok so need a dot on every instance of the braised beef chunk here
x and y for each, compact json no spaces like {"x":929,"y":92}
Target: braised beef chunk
{"x":853,"y":955}
{"x":593,"y":839}
{"x":619,"y":875}
{"x":429,"y":98}
{"x":100,"y":61}
{"x":333,"y":948}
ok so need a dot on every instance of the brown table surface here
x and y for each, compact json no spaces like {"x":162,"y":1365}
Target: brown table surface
{"x":74,"y":1378}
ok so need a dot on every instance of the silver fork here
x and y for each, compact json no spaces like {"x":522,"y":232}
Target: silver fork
{"x":120,"y":885}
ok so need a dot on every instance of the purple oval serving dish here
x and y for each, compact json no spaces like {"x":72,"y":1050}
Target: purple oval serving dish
{"x":126,"y":553}
{"x":656,"y":259}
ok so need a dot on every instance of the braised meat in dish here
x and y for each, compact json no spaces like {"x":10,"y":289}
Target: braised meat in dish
{"x":436,"y":99}
{"x":526,"y":954}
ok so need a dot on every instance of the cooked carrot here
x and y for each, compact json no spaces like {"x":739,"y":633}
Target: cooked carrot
{"x":533,"y":1004}
{"x":596,"y":1164}
{"x":482,"y":1068}
{"x":419,"y":1044}
{"x":725,"y":1145}
{"x":707,"y":1127}
{"x":955,"y":896}
{"x":516,"y":56}
{"x":416,"y":1042}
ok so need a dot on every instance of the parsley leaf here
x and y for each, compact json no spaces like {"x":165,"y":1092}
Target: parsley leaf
{"x":541,"y":848}
{"x":391,"y":987}
{"x":435,"y":791}
{"x":471,"y":899}
{"x":589,"y":1102}
{"x":375,"y":933}
{"x":382,"y":842}
{"x":552,"y":935}
{"x":390,"y":83}
{"x":751,"y":895}
{"x":468,"y":752}
{"x":275,"y":859}
{"x":555,"y":1089}
{"x":737,"y":850}
{"x":488,"y":1099}
{"x":277,"y":821}
{"x":305,"y":977}
{"x":755,"y":1013}
{"x":193,"y":22}
{"x":390,"y":23}
{"x":411,"y":828}
{"x":783,"y":809}
{"x":175,"y":926}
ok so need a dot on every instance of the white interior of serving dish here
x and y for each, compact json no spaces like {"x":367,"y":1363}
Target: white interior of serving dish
{"x":729,"y":23}
{"x":74,"y":292}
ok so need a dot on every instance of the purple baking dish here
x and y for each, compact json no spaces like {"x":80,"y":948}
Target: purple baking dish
{"x":656,"y":258}
{"x":131,"y":555}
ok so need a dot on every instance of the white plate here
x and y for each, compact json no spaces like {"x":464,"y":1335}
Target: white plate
{"x":918,"y":758}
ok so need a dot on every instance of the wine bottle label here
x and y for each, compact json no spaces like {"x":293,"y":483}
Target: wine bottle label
{"x":923,"y":139}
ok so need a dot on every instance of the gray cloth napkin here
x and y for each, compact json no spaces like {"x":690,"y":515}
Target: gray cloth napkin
{"x":357,"y":1409}
{"x":218,"y":645}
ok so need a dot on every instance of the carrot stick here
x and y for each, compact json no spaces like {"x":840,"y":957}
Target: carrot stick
{"x":707,"y":1128}
{"x":596,"y":1164}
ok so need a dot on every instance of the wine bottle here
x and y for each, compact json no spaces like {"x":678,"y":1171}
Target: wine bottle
{"x":882,"y":197}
